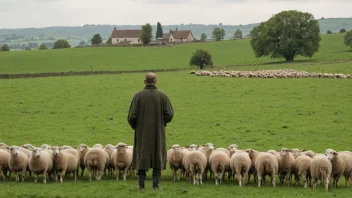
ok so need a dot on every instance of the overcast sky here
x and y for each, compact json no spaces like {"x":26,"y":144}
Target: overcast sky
{"x":44,"y":13}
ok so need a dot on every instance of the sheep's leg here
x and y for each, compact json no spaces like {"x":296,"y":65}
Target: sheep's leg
{"x":273,"y":181}
{"x":2,"y":173}
{"x":35,"y":178}
{"x":117,"y":173}
{"x":221,"y":176}
{"x":63,"y":173}
{"x":194,"y":177}
{"x":239,"y":178}
{"x":314,"y":183}
{"x":304,"y":178}
{"x":326,"y":182}
{"x":288,"y":178}
{"x":125,"y":174}
{"x":200,"y":179}
{"x":82,"y":171}
{"x":259,"y":180}
{"x":89,"y":174}
{"x":243,"y":179}
{"x":44,"y":177}
{"x":55,"y":175}
{"x":23,"y":173}
{"x":174,"y":173}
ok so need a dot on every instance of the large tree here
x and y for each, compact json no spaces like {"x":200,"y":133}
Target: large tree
{"x":348,"y":39}
{"x":287,"y":35}
{"x":147,"y":34}
{"x":201,"y":58}
{"x":109,"y":41}
{"x":43,"y":46}
{"x":96,"y":40}
{"x":218,"y":34}
{"x":4,"y":48}
{"x":203,"y":37}
{"x":59,"y":44}
{"x":238,"y":34}
{"x":159,"y":31}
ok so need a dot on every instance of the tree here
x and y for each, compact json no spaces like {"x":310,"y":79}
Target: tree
{"x":147,"y":34}
{"x":96,"y":40}
{"x":203,"y":37}
{"x":28,"y":48}
{"x":109,"y":41}
{"x":343,"y":30}
{"x":348,"y":38}
{"x":287,"y":35}
{"x":238,"y":34}
{"x":201,"y":58}
{"x":329,"y":32}
{"x":43,"y":47}
{"x":82,"y":43}
{"x":59,"y":44}
{"x":159,"y":31}
{"x":218,"y":34}
{"x":5,"y":48}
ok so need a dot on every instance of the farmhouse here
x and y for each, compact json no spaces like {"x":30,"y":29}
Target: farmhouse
{"x":126,"y":36}
{"x":178,"y":36}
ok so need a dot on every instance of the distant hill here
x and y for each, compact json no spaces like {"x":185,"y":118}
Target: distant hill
{"x":76,"y":34}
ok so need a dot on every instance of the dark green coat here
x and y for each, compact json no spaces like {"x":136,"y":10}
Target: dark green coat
{"x":149,"y":113}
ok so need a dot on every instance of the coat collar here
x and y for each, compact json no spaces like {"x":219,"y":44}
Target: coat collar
{"x":150,"y":87}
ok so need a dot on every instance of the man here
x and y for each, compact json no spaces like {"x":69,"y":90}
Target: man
{"x":149,"y":113}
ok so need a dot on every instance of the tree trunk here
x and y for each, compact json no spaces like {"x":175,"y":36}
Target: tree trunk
{"x":289,"y":58}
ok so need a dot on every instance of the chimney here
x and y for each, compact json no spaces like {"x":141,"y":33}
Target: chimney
{"x":176,"y":29}
{"x":115,"y":28}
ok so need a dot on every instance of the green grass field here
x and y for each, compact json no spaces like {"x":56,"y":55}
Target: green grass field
{"x":236,"y":52}
{"x":261,"y":114}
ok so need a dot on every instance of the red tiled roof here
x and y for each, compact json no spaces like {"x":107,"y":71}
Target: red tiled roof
{"x":180,"y":34}
{"x":166,"y":36}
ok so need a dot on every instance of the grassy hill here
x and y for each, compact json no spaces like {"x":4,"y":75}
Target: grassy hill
{"x":237,"y":52}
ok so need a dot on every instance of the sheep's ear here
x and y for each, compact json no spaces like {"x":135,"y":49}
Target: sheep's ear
{"x":335,"y":153}
{"x":7,"y":147}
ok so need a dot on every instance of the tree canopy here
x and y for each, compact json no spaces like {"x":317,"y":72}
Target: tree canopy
{"x":60,"y":44}
{"x":348,"y":39}
{"x":238,"y":34}
{"x":159,"y":31}
{"x":109,"y":41}
{"x":329,"y":32}
{"x":147,"y":34}
{"x":96,"y":40}
{"x":4,"y":48}
{"x":287,"y":35}
{"x":218,"y":34}
{"x":343,"y":30}
{"x":203,"y":37}
{"x":201,"y":58}
{"x":43,"y":47}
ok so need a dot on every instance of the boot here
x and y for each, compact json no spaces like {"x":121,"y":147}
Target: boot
{"x":156,"y":178}
{"x":141,"y":179}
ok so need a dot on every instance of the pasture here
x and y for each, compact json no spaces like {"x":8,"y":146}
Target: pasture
{"x":261,"y":114}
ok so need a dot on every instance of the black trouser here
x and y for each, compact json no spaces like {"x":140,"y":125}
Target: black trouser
{"x":156,"y":177}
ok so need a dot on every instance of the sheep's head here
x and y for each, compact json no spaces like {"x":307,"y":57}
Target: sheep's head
{"x":82,"y":148}
{"x":296,"y":152}
{"x":331,"y":155}
{"x":13,"y":150}
{"x":176,"y":147}
{"x":66,"y":147}
{"x":284,"y":151}
{"x":209,"y":146}
{"x":56,"y":151}
{"x":192,"y":147}
{"x":36,"y":152}
{"x":233,"y":147}
{"x":3,"y":145}
{"x":121,"y":145}
{"x":328,"y":151}
{"x":109,"y":147}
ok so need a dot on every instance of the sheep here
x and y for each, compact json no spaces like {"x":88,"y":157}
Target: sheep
{"x":66,"y":147}
{"x":192,"y":147}
{"x":296,"y":152}
{"x":4,"y":163}
{"x":195,"y":163}
{"x":347,"y":158}
{"x":40,"y":162}
{"x":338,"y":166}
{"x":285,"y":165}
{"x":253,"y":154}
{"x":308,"y":153}
{"x":94,"y":161}
{"x":64,"y":162}
{"x":233,"y":148}
{"x":266,"y":164}
{"x":109,"y":149}
{"x":240,"y":164}
{"x":208,"y":150}
{"x":76,"y":154}
{"x":27,"y":146}
{"x":82,"y":149}
{"x":45,"y":146}
{"x":175,"y":157}
{"x":219,"y":163}
{"x":122,"y":159}
{"x":301,"y":168}
{"x":18,"y":162}
{"x":320,"y":169}
{"x":98,"y":146}
{"x":3,"y":146}
{"x":276,"y":154}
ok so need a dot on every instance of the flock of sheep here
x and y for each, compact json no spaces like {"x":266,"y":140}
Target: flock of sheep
{"x":193,"y":162}
{"x":281,"y":73}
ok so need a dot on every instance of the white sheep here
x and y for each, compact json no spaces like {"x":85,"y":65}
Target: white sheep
{"x":320,"y":169}
{"x":82,"y":150}
{"x":347,"y":157}
{"x":338,"y":166}
{"x":94,"y":161}
{"x":122,"y":159}
{"x":109,"y":148}
{"x":18,"y":162}
{"x":253,"y":154}
{"x":308,"y":153}
{"x":64,"y":162}
{"x":3,"y":146}
{"x":175,"y":157}
{"x":301,"y":169}
{"x":4,"y":162}
{"x":192,"y":147}
{"x":266,"y":164}
{"x":40,"y":162}
{"x":208,"y":150}
{"x":233,"y":148}
{"x":285,"y":165}
{"x":219,"y":164}
{"x":195,"y":163}
{"x":240,"y":164}
{"x":296,"y":152}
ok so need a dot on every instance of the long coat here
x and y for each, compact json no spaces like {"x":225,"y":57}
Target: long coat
{"x":149,"y":113}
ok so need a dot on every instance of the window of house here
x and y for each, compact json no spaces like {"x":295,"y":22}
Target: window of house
{"x":125,"y":39}
{"x":139,"y":40}
{"x":171,"y":39}
{"x":117,"y":40}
